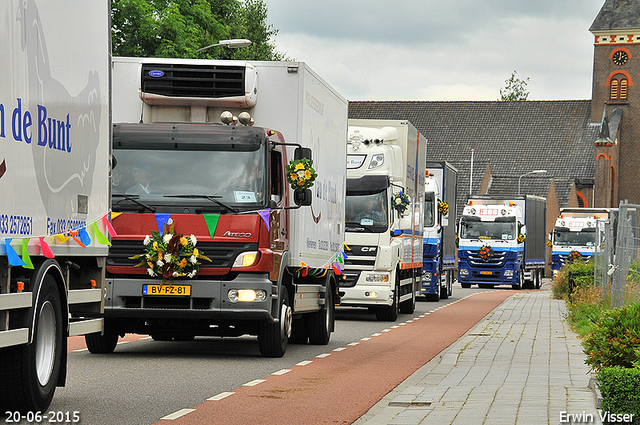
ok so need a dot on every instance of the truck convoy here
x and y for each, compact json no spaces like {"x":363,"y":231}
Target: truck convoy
{"x":439,"y":249}
{"x":54,"y":186}
{"x":210,"y":238}
{"x":502,"y":241}
{"x":384,"y":217}
{"x":576,"y":234}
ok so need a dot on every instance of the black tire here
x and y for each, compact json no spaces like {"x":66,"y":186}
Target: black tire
{"x":433,"y":297}
{"x":390,"y":313}
{"x":273,"y":337}
{"x":29,"y":373}
{"x":465,"y":285}
{"x":299,"y":330}
{"x":321,"y":323}
{"x":538,"y":279}
{"x":520,"y":283}
{"x":102,"y":343}
{"x":444,"y":292}
{"x":409,"y":306}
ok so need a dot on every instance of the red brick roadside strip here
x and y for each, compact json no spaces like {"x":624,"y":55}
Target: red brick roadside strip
{"x":342,"y":386}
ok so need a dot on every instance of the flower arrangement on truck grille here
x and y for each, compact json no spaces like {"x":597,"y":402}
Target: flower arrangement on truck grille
{"x":170,"y":255}
{"x":485,"y":252}
{"x":575,"y":255}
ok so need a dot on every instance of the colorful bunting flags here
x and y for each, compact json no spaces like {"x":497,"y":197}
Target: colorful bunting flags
{"x":80,"y":236}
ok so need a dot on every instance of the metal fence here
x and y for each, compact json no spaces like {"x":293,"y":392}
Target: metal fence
{"x":617,"y":256}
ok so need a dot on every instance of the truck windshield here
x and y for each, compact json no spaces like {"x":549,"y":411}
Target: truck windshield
{"x":429,"y":210}
{"x":232,"y":177}
{"x":368,"y":210}
{"x":581,"y":238}
{"x":488,"y":230}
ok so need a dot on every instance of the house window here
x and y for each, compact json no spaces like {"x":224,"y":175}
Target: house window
{"x":618,"y":88}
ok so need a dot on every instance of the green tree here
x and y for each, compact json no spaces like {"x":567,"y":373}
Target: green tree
{"x":515,"y":89}
{"x":178,"y":28}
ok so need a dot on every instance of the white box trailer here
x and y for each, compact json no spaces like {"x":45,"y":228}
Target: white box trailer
{"x":170,"y":108}
{"x":54,"y":186}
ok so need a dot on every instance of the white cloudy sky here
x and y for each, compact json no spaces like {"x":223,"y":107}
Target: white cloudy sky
{"x":441,"y":50}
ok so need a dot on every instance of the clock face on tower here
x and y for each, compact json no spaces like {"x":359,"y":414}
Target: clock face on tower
{"x":620,"y":57}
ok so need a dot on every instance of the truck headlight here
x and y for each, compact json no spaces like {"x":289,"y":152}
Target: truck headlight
{"x":378,"y":278}
{"x":464,"y":272}
{"x":376,"y":161}
{"x":508,"y":273}
{"x":428,"y":276}
{"x":246,"y":295}
{"x":246,"y":259}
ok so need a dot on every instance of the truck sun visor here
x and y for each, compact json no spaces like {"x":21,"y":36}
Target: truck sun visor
{"x":367,"y":184}
{"x":187,"y":137}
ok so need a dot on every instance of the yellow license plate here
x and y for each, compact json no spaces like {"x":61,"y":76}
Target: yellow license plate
{"x":179,"y":290}
{"x":485,"y":272}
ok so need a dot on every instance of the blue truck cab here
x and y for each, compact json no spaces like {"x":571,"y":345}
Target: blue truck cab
{"x":502,"y":241}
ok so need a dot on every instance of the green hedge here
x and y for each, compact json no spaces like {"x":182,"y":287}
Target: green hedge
{"x":615,"y":339}
{"x":620,"y":389}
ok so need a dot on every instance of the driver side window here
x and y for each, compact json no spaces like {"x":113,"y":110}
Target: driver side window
{"x":276,"y":177}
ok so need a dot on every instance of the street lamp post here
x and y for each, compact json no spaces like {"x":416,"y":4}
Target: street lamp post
{"x":526,"y":174}
{"x":234,"y":43}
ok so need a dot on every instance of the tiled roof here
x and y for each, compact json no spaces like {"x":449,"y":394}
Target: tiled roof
{"x":617,"y":15}
{"x":512,"y":137}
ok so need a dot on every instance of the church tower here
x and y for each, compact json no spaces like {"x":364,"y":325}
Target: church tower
{"x":616,"y":87}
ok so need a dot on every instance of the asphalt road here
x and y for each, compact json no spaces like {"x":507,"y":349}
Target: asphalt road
{"x":144,"y":381}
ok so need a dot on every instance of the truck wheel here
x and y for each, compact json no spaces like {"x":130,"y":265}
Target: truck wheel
{"x":299,"y":330}
{"x":537,"y":280}
{"x":321,"y":322}
{"x":433,"y":297}
{"x":409,"y":306}
{"x":29,"y":373}
{"x":390,"y":313}
{"x":465,"y":285}
{"x":273,"y":337}
{"x":102,"y":343}
{"x":520,"y":283}
{"x":444,"y":292}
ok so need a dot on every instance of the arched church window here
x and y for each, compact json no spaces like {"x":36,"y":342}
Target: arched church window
{"x":618,"y":89}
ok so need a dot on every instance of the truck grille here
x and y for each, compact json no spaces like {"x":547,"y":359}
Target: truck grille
{"x":222,"y":255}
{"x":199,"y":81}
{"x":497,"y":260}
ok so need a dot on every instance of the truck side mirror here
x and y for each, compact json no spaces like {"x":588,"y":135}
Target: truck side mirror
{"x":303,"y":198}
{"x":300,"y":153}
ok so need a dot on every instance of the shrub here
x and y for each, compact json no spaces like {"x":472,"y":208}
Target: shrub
{"x":619,"y":389}
{"x":581,"y":273}
{"x":615,"y":339}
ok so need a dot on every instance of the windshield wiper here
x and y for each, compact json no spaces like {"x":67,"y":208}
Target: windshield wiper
{"x":209,"y":197}
{"x":134,"y":199}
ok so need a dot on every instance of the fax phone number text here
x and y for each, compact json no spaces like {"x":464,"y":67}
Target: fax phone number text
{"x":42,"y":417}
{"x":16,"y":224}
